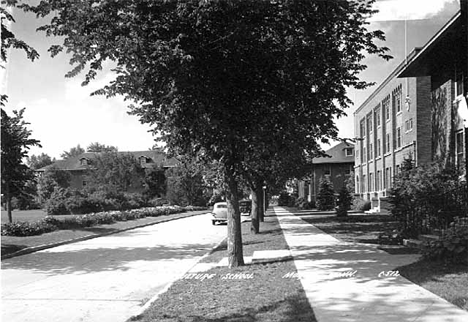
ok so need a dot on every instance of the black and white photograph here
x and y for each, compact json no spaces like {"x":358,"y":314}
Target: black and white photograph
{"x":234,"y":160}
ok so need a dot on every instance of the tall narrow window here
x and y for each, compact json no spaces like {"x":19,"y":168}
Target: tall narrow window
{"x":398,"y":139}
{"x":377,"y":116}
{"x":459,"y":148}
{"x":371,"y":152}
{"x":377,"y":149}
{"x":387,"y":143}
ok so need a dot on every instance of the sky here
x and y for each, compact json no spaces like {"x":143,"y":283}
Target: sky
{"x":62,"y":114}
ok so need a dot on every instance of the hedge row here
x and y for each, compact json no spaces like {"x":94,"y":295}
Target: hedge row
{"x":49,"y":223}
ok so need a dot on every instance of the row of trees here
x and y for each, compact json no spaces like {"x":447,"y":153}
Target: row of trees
{"x":251,"y":85}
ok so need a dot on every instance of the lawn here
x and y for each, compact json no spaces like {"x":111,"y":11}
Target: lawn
{"x":24,"y":215}
{"x":255,"y":292}
{"x":449,"y":281}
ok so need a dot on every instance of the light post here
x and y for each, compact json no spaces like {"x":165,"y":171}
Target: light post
{"x":264,"y":200}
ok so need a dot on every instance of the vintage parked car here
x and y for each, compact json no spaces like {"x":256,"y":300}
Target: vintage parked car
{"x":219,"y":212}
{"x":245,"y":207}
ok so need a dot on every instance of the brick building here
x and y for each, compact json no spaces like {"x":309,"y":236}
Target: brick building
{"x":418,"y":112}
{"x":391,"y":125}
{"x":338,"y":168}
{"x":444,"y":60}
{"x":78,"y":167}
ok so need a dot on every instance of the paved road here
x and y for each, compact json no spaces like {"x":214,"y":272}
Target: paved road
{"x":103,"y":279}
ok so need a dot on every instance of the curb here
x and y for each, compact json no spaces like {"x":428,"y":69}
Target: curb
{"x":34,"y":249}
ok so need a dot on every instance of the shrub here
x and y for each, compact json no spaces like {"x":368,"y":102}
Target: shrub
{"x":301,"y":203}
{"x":453,"y":244}
{"x":344,"y":202}
{"x":50,"y":223}
{"x":22,"y":229}
{"x":284,"y":198}
{"x":56,"y":204}
{"x":326,"y":195}
{"x":360,"y":204}
{"x":427,"y":198}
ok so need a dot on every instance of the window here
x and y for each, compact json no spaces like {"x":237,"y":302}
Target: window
{"x":364,"y":183}
{"x":349,"y":152}
{"x":459,"y":148}
{"x":388,"y":177}
{"x":397,"y":101}
{"x":398,"y":139}
{"x":386,"y":108}
{"x":459,"y":85}
{"x":377,"y":149}
{"x":348,"y":171}
{"x":371,"y":151}
{"x":371,"y":182}
{"x":369,"y":123}
{"x":378,"y":179}
{"x":327,"y":171}
{"x":362,"y":129}
{"x":83,"y":161}
{"x":358,"y":186}
{"x":409,"y":125}
{"x":84,"y":183}
{"x":142,"y":160}
{"x":397,"y":170}
{"x":377,"y":116}
{"x":364,"y":156}
{"x":387,"y":143}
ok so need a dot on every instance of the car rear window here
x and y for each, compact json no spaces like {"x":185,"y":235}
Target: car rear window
{"x":221,"y":206}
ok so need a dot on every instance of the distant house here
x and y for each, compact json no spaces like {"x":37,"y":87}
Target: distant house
{"x":337,"y":167}
{"x":79,"y":166}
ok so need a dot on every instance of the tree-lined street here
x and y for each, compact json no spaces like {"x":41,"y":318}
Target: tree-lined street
{"x":107,"y":278}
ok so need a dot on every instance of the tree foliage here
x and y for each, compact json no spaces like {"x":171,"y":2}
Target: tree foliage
{"x":16,"y":141}
{"x":98,"y":147}
{"x":73,"y":152}
{"x":39,"y":161}
{"x":232,"y":81}
{"x":115,"y":172}
{"x":325,"y":195}
{"x":8,"y":38}
{"x":185,"y":185}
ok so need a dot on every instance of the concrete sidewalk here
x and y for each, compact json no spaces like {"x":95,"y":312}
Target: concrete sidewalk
{"x":347,"y":282}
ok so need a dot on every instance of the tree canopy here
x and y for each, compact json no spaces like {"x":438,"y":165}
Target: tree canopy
{"x":39,"y":161}
{"x":16,"y":141}
{"x":232,"y":81}
{"x":98,"y":147}
{"x":73,"y":152}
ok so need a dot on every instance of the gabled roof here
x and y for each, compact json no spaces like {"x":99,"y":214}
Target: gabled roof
{"x":336,"y":155}
{"x":154,"y":159}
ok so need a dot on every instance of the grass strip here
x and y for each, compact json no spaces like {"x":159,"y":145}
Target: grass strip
{"x":255,"y":292}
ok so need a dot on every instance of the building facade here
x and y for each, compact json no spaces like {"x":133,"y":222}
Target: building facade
{"x":78,"y":167}
{"x":419,"y":112}
{"x":444,"y":59}
{"x":391,"y":126}
{"x":337,"y":168}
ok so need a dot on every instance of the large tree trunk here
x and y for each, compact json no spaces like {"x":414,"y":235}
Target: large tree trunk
{"x":8,"y":203}
{"x":254,"y":214}
{"x":234,"y":241}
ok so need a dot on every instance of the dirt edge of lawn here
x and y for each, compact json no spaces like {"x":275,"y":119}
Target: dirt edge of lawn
{"x":255,"y":292}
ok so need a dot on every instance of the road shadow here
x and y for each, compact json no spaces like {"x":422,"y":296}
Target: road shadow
{"x":98,"y":255}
